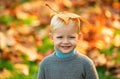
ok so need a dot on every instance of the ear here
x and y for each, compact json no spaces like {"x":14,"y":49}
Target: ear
{"x":80,"y":36}
{"x":51,"y":36}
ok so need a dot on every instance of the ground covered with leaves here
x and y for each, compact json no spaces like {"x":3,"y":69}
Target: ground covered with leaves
{"x":24,"y":35}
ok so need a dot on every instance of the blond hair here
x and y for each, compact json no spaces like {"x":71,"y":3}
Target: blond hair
{"x":65,"y":18}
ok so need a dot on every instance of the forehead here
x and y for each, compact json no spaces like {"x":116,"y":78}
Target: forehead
{"x":67,"y":29}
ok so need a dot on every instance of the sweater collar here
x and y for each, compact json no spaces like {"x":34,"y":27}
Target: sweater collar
{"x":59,"y":54}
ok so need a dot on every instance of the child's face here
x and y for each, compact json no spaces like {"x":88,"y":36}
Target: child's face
{"x":65,"y":38}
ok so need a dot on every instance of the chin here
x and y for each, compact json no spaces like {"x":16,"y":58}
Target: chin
{"x":65,"y":52}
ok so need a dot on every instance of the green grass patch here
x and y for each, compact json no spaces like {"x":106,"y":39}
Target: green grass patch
{"x":6,"y":64}
{"x":101,"y":72}
{"x":47,"y":45}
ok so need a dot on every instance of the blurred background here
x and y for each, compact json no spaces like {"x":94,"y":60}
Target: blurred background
{"x":24,"y":39}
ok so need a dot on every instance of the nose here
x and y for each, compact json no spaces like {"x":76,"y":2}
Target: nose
{"x":66,"y":40}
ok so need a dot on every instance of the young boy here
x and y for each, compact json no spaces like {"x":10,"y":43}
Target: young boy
{"x":66,"y":62}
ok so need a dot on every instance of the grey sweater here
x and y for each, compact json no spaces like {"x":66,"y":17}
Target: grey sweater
{"x":76,"y":67}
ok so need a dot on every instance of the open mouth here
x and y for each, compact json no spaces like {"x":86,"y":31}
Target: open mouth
{"x":65,"y":47}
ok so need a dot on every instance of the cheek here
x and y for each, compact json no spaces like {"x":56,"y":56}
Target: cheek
{"x":75,"y":41}
{"x":56,"y":41}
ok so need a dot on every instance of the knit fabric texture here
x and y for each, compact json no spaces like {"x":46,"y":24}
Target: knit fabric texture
{"x":78,"y":66}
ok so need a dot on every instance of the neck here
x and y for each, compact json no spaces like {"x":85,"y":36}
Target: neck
{"x":59,"y":54}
